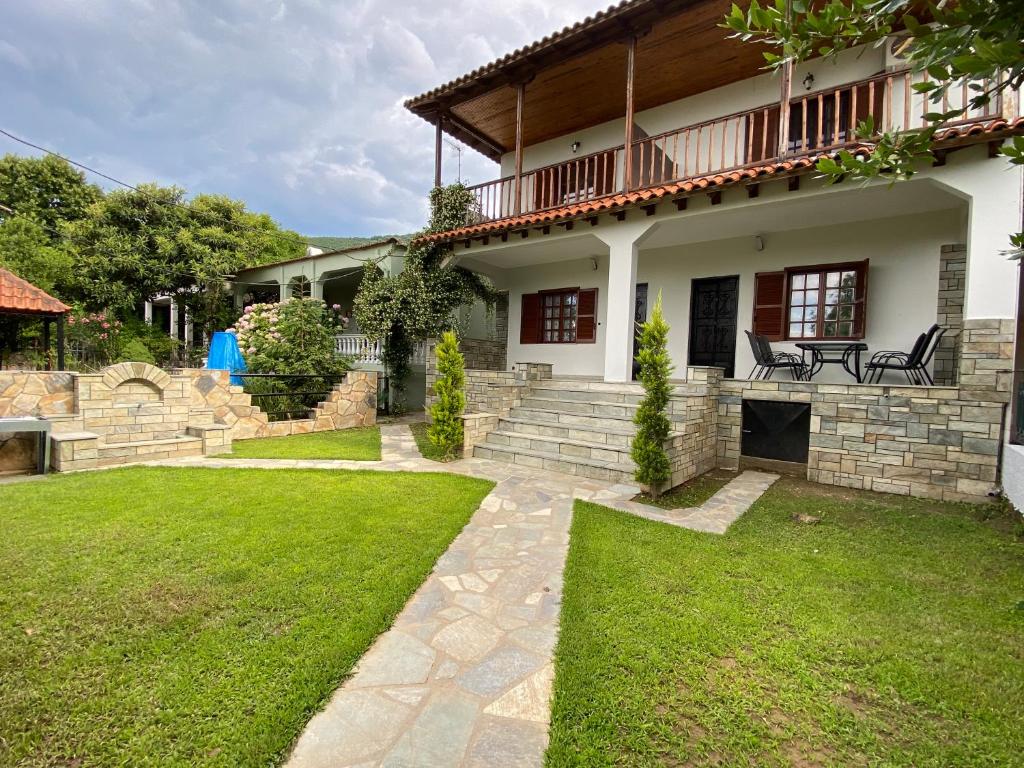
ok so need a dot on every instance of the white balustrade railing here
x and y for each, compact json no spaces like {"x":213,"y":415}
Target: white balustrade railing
{"x":369,"y":351}
{"x":362,"y":348}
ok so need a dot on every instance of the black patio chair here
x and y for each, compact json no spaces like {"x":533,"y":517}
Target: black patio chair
{"x":913,"y":364}
{"x":767,"y":361}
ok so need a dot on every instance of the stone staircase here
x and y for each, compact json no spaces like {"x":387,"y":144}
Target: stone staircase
{"x":574,"y":426}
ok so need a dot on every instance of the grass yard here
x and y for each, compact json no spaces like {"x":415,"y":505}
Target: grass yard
{"x":693,"y":492}
{"x":182,"y":617}
{"x":420,"y":431}
{"x":890,"y":633}
{"x":357,"y":444}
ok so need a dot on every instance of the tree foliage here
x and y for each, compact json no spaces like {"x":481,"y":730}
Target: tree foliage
{"x":648,"y":452}
{"x":29,"y":252}
{"x":979,"y":43}
{"x":46,"y":190}
{"x":418,"y":303}
{"x":446,"y":429}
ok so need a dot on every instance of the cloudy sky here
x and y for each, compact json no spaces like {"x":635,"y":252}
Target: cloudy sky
{"x":293,"y":106}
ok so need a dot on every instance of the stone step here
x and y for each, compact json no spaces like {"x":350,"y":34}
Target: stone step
{"x":564,"y":448}
{"x":149,"y":450}
{"x":562,"y":419}
{"x":541,"y":390}
{"x":581,"y":408}
{"x":619,"y":435}
{"x":595,"y":469}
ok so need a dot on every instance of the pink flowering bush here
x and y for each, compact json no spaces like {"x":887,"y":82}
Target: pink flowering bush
{"x":93,"y":337}
{"x":292,"y":337}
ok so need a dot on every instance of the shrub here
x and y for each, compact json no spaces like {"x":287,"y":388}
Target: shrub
{"x":446,"y":413}
{"x":648,"y":452}
{"x":92,"y":338}
{"x":134,"y":350}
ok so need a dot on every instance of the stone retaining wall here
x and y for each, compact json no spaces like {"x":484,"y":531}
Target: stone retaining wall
{"x":31,"y":393}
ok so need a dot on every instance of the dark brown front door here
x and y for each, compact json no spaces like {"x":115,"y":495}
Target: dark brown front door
{"x":713,"y":322}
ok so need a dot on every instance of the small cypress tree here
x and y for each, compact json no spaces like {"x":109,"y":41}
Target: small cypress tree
{"x":446,"y":422}
{"x":648,"y":452}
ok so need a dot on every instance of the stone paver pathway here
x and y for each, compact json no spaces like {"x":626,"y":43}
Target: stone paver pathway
{"x":463,"y":677}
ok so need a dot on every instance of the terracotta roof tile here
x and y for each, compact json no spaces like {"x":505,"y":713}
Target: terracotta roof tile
{"x":699,"y":183}
{"x":17,"y":295}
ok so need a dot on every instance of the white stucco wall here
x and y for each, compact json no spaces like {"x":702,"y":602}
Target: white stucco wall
{"x":1013,"y":475}
{"x":902,"y":284}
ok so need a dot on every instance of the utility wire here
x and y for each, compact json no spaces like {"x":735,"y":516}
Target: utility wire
{"x":149,"y":197}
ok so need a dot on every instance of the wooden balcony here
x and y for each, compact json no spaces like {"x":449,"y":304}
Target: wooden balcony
{"x":824,"y":120}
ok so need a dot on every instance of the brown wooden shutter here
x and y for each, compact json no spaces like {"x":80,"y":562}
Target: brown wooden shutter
{"x":530,"y":320}
{"x":860,"y":309}
{"x":586,"y":316}
{"x":770,"y":305}
{"x":762,"y":139}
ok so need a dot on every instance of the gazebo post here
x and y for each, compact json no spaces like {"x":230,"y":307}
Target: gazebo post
{"x":60,"y":343}
{"x":46,"y":342}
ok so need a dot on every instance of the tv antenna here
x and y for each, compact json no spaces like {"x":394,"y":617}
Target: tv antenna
{"x":458,"y":153}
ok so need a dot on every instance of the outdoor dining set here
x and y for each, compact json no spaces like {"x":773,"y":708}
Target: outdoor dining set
{"x":815,"y":355}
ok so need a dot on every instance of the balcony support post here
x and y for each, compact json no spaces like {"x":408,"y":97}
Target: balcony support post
{"x":518,"y":185}
{"x":627,"y":158}
{"x":437,"y":150}
{"x":786,"y":94}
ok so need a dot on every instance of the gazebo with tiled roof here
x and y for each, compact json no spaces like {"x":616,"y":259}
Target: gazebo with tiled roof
{"x":19,"y":298}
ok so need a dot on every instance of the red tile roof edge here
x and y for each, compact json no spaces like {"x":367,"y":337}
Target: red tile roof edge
{"x":621,"y":200}
{"x":17,"y":295}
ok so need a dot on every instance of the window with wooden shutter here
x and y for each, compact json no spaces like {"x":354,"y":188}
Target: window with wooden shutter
{"x":563,"y":316}
{"x":586,"y":317}
{"x":530,"y":320}
{"x":770,"y":305}
{"x":827,"y":301}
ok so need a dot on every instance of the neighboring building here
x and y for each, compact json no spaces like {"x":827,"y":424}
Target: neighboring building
{"x":643,"y":152}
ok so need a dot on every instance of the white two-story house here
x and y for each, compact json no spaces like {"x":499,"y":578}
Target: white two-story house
{"x":643,"y":151}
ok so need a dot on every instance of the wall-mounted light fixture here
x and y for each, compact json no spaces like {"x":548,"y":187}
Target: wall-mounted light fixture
{"x":593,"y":263}
{"x":758,"y":243}
{"x":575,"y":147}
{"x":808,"y":81}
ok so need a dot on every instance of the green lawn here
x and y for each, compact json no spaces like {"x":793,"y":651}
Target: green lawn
{"x":358,"y":444}
{"x":428,"y":449}
{"x":182,"y":617}
{"x":891,"y":633}
{"x":693,"y":492}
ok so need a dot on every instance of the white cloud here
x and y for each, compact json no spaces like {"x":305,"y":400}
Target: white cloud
{"x":293,"y":107}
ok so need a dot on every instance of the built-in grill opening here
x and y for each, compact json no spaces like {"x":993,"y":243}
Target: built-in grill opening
{"x":776,"y":430}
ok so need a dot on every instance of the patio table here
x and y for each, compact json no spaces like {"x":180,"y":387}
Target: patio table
{"x":833,"y":353}
{"x":31,"y":424}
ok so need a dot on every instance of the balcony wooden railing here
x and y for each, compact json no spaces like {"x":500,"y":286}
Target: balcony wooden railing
{"x":818,"y":121}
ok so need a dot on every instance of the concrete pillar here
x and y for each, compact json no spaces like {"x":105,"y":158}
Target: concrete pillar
{"x":623,"y":255}
{"x":174,"y":319}
{"x":147,"y":312}
{"x":282,"y":293}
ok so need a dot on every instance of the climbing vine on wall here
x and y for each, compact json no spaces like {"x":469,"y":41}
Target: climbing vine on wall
{"x":419,"y":302}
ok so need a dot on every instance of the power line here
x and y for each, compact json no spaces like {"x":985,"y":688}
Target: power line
{"x":280,"y":235}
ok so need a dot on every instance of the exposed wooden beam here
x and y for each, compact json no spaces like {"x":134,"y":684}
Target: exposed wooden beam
{"x":488,"y":146}
{"x":485,"y":240}
{"x":650,"y":209}
{"x":794,"y":183}
{"x":715,"y":196}
{"x":518,"y":186}
{"x":627,"y":161}
{"x":620,"y":215}
{"x":938,"y":157}
{"x":681,"y":203}
{"x":504,"y":236}
{"x":994,"y":147}
{"x":567,"y":224}
{"x":753,"y":190}
{"x":524,"y":233}
{"x":593,"y":220}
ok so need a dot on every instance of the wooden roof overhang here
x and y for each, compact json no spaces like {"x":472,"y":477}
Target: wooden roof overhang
{"x":576,"y":78}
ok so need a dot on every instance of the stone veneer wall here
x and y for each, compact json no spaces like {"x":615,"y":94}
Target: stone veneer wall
{"x":934,"y":442}
{"x":133,"y":403}
{"x":351,"y":403}
{"x":950,"y":312}
{"x":693,"y":408}
{"x":31,"y":393}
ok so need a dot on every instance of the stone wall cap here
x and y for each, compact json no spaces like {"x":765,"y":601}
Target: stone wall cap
{"x":61,"y":437}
